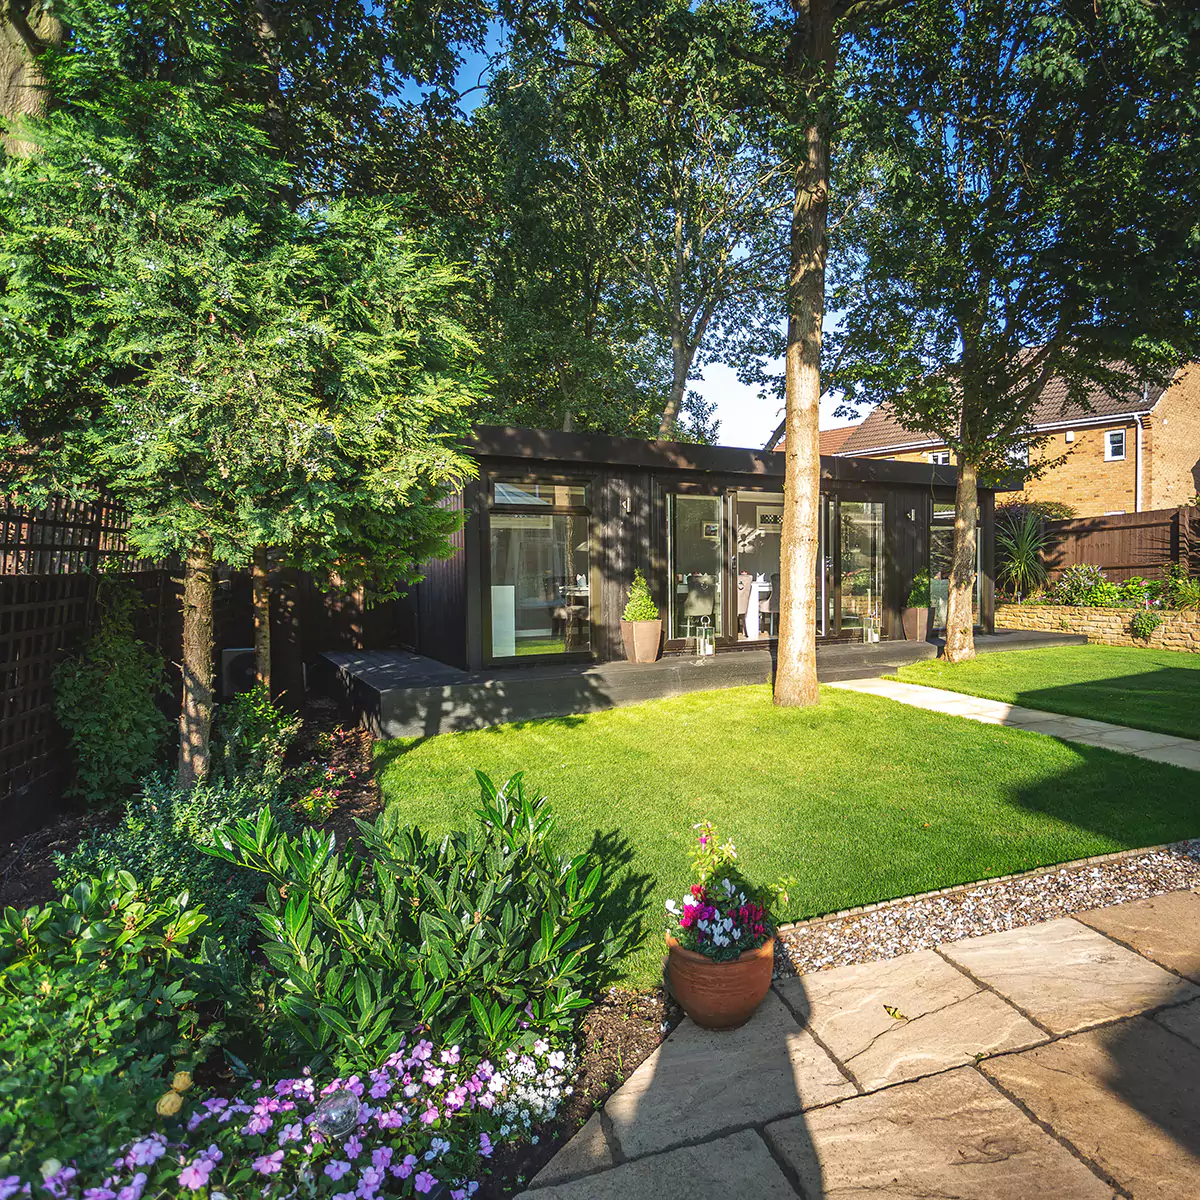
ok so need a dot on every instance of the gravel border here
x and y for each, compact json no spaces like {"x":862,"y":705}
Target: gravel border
{"x":896,"y":927}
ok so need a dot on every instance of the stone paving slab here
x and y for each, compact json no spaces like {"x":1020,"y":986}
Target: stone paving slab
{"x":952,"y":1135}
{"x":1126,"y":1096}
{"x":738,"y":1167}
{"x":587,"y":1152}
{"x":1187,"y":755}
{"x":1183,"y":1021}
{"x":1179,"y":752}
{"x":942,"y":1019}
{"x":1067,"y":976}
{"x":1165,"y":929}
{"x":700,"y":1084}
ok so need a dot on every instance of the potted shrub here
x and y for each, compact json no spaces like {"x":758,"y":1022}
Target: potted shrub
{"x":915,"y":617}
{"x":641,"y":628}
{"x":721,"y":940}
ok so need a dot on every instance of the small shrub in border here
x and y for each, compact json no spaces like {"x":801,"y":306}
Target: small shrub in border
{"x":157,"y":838}
{"x":476,"y":935}
{"x":420,"y":1121}
{"x":98,"y":1006}
{"x":105,"y":698}
{"x":1143,"y":624}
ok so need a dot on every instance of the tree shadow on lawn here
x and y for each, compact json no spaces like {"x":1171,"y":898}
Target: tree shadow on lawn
{"x":1165,"y":700}
{"x":620,"y":917}
{"x":1130,"y":802}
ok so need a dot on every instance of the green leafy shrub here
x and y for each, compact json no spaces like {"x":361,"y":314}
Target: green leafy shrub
{"x":640,"y":606}
{"x":1143,"y":624}
{"x":919,"y":595}
{"x":253,"y":736}
{"x":1020,"y":544}
{"x":98,"y":1010}
{"x":1178,"y":589}
{"x":1076,"y":585}
{"x":158,"y":838}
{"x":1107,"y":595}
{"x":1136,"y":592}
{"x":473,"y":935}
{"x":105,"y":698}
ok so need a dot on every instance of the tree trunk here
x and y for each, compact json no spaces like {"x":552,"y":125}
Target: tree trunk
{"x":679,"y":374}
{"x":261,"y":593}
{"x":22,"y":86}
{"x":960,"y":620}
{"x":796,"y":669}
{"x":195,"y":714}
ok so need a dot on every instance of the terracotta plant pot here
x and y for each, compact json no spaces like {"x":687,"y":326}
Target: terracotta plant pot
{"x":720,"y":995}
{"x":916,"y":624}
{"x":641,"y":640}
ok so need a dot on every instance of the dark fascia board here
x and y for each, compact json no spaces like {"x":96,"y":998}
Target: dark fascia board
{"x":551,"y":447}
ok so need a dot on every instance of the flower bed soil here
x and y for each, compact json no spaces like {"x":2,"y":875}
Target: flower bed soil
{"x":615,"y":1036}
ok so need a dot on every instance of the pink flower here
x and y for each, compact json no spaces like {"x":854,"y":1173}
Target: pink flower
{"x":485,"y":1145}
{"x":424,"y":1182}
{"x":269,"y":1164}
{"x":451,"y":1057}
{"x":195,"y":1175}
{"x":336,"y":1169}
{"x":381,"y":1157}
{"x":429,"y":1116}
{"x":405,"y":1169}
{"x":433,"y":1076}
{"x":353,"y":1147}
{"x":290,"y":1133}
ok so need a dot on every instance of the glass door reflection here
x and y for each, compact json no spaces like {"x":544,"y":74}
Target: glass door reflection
{"x":696,"y":551}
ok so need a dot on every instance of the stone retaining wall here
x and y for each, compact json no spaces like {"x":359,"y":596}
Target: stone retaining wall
{"x":1108,"y":626}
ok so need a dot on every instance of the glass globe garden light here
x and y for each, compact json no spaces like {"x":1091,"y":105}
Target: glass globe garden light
{"x":337,"y":1115}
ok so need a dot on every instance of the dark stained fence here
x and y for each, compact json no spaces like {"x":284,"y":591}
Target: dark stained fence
{"x":49,"y":562}
{"x":1126,"y":544}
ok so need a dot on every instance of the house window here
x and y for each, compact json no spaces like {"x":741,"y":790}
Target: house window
{"x":1114,"y":445}
{"x":940,"y":458}
{"x":540,"y":567}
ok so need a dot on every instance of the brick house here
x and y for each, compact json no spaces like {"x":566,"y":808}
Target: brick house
{"x":1128,"y":453}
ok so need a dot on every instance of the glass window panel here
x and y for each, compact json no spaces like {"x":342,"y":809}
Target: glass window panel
{"x":759,"y":517}
{"x":540,"y":493}
{"x":941,"y":554}
{"x":540,"y":584}
{"x":862,"y":569}
{"x":696,"y":556}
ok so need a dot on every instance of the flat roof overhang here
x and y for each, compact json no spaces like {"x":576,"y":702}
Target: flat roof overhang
{"x":595,"y":449}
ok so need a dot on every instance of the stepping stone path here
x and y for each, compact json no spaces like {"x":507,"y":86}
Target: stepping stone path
{"x":1059,"y":1060}
{"x":1160,"y":747}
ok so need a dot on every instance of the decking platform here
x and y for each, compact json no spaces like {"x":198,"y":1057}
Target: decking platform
{"x":397,"y":694}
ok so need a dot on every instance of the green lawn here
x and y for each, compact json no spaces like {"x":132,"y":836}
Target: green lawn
{"x":1157,"y":690}
{"x":860,"y":799}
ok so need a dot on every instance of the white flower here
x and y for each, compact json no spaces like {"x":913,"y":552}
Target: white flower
{"x":672,"y":907}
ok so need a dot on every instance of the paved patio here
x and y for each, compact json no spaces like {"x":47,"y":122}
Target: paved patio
{"x":1161,"y":747}
{"x":1060,"y":1060}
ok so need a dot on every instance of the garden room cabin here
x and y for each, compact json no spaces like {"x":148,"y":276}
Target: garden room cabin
{"x":556,"y":523}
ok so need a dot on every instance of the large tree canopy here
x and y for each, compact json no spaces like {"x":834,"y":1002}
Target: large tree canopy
{"x":237,"y":371}
{"x":1018,"y":184}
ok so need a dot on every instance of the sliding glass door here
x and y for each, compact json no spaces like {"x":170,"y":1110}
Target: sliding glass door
{"x":696,"y":553}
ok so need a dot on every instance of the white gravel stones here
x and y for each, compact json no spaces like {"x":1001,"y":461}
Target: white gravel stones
{"x":921,"y":922}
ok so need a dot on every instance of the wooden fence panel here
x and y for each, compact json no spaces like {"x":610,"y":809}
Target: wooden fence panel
{"x":1126,"y":544}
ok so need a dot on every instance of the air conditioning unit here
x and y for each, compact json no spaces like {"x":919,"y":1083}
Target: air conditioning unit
{"x":237,"y":670}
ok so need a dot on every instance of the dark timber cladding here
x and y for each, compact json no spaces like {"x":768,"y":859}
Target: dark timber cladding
{"x":556,"y":524}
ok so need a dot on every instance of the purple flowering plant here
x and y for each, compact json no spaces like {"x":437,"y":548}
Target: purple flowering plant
{"x":425,"y":1121}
